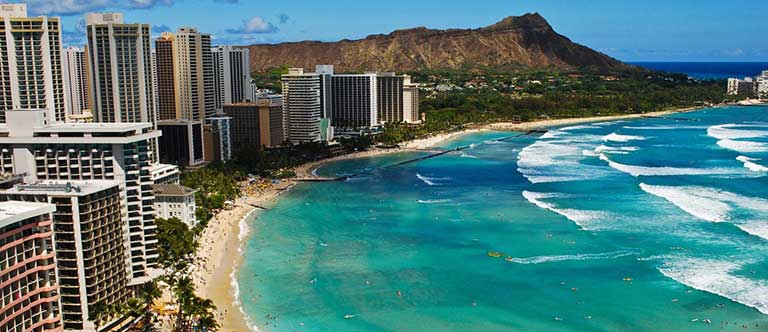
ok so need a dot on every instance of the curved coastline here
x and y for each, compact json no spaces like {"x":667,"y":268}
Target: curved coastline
{"x":223,"y":286}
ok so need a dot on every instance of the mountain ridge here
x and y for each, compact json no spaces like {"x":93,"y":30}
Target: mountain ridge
{"x":527,"y":41}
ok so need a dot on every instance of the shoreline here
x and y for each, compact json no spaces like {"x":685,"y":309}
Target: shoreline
{"x":220,"y":254}
{"x":227,"y":235}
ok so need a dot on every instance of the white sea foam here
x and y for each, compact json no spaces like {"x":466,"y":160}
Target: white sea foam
{"x":706,"y":203}
{"x":244,"y":231}
{"x":615,"y":149}
{"x":743,"y":146}
{"x":614,"y":137}
{"x":749,"y":163}
{"x":589,"y":153}
{"x":466,"y":155}
{"x":433,"y":201}
{"x":664,"y":127}
{"x":576,"y":257}
{"x":431,"y":181}
{"x":696,"y":201}
{"x":727,"y":131}
{"x":559,"y":160}
{"x":756,"y":228}
{"x":579,"y":217}
{"x":543,"y":153}
{"x":664,"y":171}
{"x":579,"y":127}
{"x":718,"y":277}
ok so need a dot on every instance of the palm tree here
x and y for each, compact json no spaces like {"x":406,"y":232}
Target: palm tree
{"x":148,"y":293}
{"x":133,"y":307}
{"x":184,"y":292}
{"x":97,"y":311}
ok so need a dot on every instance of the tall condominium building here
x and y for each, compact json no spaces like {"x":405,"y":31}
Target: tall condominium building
{"x":258,"y":124}
{"x":90,"y":245}
{"x":389,"y":89}
{"x":76,"y":82}
{"x":741,"y":87}
{"x":119,"y":63}
{"x":232,"y":76}
{"x":90,"y":152}
{"x":410,"y":101}
{"x":186,"y":92}
{"x":302,"y":106}
{"x":354,"y":102}
{"x":29,"y":292}
{"x":30,"y":63}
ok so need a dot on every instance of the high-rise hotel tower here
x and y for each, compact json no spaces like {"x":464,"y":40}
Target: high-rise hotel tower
{"x":30,"y":63}
{"x":119,"y":62}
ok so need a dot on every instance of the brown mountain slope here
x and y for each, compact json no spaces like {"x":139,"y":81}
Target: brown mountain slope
{"x":526,"y":40}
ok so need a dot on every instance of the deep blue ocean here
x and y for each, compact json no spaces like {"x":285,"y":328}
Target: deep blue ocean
{"x":708,"y":70}
{"x":642,"y":225}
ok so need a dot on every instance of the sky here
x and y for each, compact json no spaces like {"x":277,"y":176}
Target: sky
{"x":629,"y":30}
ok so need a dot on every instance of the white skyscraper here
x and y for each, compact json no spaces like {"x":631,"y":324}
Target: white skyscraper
{"x":232,"y":74}
{"x":119,"y":61}
{"x":302,"y":106}
{"x":76,"y":81}
{"x":30,"y":63}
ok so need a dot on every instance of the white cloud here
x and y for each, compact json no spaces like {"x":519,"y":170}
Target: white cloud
{"x":254,"y":25}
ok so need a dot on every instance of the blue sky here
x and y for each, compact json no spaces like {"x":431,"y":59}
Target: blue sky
{"x":647,"y":30}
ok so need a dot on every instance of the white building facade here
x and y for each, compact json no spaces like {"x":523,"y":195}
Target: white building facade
{"x":31,"y":74}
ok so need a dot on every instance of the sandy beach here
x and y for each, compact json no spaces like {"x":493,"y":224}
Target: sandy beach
{"x":219,"y":254}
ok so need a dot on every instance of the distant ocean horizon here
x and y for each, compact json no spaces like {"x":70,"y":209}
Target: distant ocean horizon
{"x":707,"y":70}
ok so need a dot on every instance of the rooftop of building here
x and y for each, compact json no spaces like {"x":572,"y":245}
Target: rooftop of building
{"x":14,"y":211}
{"x":172,"y":190}
{"x":62,"y":188}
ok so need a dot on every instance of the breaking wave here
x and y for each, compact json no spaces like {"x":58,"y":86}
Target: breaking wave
{"x":749,"y":163}
{"x":614,"y":137}
{"x":433,"y":201}
{"x":579,"y":217}
{"x":718,"y":277}
{"x":663,"y":170}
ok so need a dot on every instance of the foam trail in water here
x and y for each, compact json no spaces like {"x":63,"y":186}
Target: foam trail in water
{"x":749,"y":163}
{"x":433,"y":201}
{"x":576,"y":257}
{"x":579,"y":217}
{"x":664,"y":171}
{"x":431,"y":181}
{"x":718,"y":277}
{"x":614,"y":137}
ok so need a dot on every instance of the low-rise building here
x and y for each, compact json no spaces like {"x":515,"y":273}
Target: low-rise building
{"x":29,"y":293}
{"x":175,"y":201}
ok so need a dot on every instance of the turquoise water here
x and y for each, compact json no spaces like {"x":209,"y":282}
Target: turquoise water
{"x":642,"y":225}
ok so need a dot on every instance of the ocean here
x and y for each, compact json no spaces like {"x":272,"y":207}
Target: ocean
{"x":708,"y":70}
{"x":638,"y":225}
